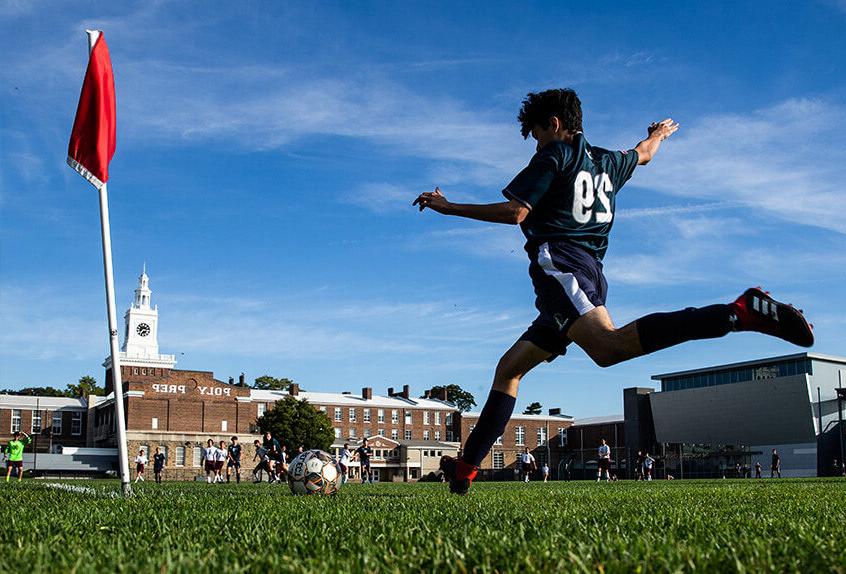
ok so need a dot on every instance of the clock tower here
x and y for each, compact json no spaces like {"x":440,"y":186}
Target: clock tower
{"x":140,"y":342}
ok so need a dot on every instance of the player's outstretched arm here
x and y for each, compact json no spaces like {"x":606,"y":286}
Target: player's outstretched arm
{"x":510,"y":212}
{"x":658,"y":132}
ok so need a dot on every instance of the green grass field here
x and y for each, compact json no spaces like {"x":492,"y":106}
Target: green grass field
{"x":712,"y":526}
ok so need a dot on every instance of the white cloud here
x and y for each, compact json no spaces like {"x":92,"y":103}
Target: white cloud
{"x":769,"y":161}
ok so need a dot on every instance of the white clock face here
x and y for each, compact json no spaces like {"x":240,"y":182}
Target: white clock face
{"x":143,"y":329}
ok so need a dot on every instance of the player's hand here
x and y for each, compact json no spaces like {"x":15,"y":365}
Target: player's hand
{"x":663,"y":129}
{"x":433,"y":200}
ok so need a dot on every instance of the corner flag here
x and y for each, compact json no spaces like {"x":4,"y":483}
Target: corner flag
{"x":92,"y":141}
{"x":92,"y":145}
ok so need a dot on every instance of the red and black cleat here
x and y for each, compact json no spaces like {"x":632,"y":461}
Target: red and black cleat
{"x":459,"y":474}
{"x":757,"y":311}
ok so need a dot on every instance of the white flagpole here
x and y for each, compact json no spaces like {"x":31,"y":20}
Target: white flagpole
{"x":117,"y":383}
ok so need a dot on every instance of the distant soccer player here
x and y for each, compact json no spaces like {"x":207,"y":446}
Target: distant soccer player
{"x":14,"y":454}
{"x":639,"y":466}
{"x":757,"y":470}
{"x":363,"y":454}
{"x":264,"y":462}
{"x":604,"y":464}
{"x":220,"y":457}
{"x":273,"y":449}
{"x":527,"y":464}
{"x":545,"y":472}
{"x":140,"y":463}
{"x":208,"y":460}
{"x":648,"y":461}
{"x":158,"y":465}
{"x":344,"y":462}
{"x":233,"y":459}
{"x":564,"y":201}
{"x":775,"y":466}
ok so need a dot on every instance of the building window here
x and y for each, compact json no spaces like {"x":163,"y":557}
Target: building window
{"x":352,"y":432}
{"x":394,"y":416}
{"x":562,"y":436}
{"x":449,"y":435}
{"x":352,"y":415}
{"x":437,"y":418}
{"x":57,"y":423}
{"x":180,"y":457}
{"x":76,"y":424}
{"x":154,"y":424}
{"x":437,"y":435}
{"x":368,"y":433}
{"x":425,"y":417}
{"x":425,"y":435}
{"x":16,"y":420}
{"x":520,"y":436}
{"x":337,"y":432}
{"x":394,"y":434}
{"x":366,"y":415}
{"x":408,"y":417}
{"x":498,"y":460}
{"x":196,"y":456}
{"x":224,"y":426}
{"x":541,"y":435}
{"x":262,"y":408}
{"x":448,"y":419}
{"x":408,"y":435}
{"x":381,"y":432}
{"x":337,"y":414}
{"x":36,"y":422}
{"x":380,"y":415}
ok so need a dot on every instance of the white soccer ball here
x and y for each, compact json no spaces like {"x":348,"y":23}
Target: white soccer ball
{"x":314,"y":472}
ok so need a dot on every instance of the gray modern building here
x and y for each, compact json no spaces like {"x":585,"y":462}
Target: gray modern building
{"x":708,"y":421}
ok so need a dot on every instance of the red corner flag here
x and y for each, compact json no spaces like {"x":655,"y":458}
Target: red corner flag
{"x":92,"y":141}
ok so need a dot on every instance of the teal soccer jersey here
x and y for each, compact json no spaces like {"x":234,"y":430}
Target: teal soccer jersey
{"x":570,"y":190}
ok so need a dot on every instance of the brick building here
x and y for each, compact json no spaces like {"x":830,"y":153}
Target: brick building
{"x":53,"y":422}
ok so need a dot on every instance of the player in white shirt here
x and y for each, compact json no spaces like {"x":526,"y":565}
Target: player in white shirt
{"x":545,"y":472}
{"x":344,"y":461}
{"x":604,"y":462}
{"x":527,"y":464}
{"x":648,"y":461}
{"x":209,"y":454}
{"x":140,"y":463}
{"x":219,"y":458}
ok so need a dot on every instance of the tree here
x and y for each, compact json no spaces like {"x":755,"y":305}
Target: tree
{"x":296,"y":423}
{"x":533,"y":409}
{"x":86,"y":386}
{"x":462,"y":399}
{"x":268,"y":383}
{"x":35,"y":392}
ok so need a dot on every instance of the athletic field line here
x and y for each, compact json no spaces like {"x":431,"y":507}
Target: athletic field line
{"x":80,"y":489}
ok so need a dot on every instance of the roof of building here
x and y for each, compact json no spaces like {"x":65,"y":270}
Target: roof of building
{"x":603,"y":420}
{"x":755,"y":362}
{"x":344,"y":399}
{"x":39,"y":402}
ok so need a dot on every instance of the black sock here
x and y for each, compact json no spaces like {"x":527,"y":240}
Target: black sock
{"x":490,"y":426}
{"x":662,"y":330}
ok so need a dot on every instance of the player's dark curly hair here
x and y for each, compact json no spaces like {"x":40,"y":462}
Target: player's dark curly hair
{"x":539,"y":107}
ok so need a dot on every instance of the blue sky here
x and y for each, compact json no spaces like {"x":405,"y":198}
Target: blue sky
{"x":267,"y":156}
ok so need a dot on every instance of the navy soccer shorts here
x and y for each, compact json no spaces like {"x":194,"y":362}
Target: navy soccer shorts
{"x":568,"y":283}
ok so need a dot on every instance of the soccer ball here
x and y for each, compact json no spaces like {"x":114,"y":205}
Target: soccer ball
{"x":314,"y":472}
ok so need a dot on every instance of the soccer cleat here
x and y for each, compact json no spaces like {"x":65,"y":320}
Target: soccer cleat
{"x":459,"y":474}
{"x":757,"y":311}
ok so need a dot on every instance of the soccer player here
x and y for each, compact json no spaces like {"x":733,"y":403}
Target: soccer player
{"x":639,"y":466}
{"x":363,"y":454}
{"x":14,"y":453}
{"x":220,"y":456}
{"x":209,"y":458}
{"x":140,"y":463}
{"x":604,"y":461}
{"x":757,"y":470}
{"x":233,"y":459}
{"x":545,"y":471}
{"x":527,"y":464}
{"x":344,"y":462}
{"x":158,"y":465}
{"x":273,"y":448}
{"x":564,"y":201}
{"x":264,"y":464}
{"x":775,"y":467}
{"x":648,"y":461}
